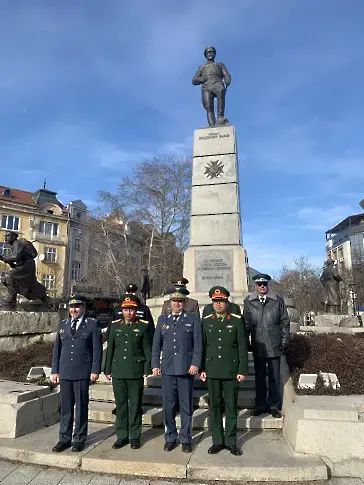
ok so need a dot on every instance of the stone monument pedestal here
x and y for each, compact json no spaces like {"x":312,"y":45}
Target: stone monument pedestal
{"x":215,"y":255}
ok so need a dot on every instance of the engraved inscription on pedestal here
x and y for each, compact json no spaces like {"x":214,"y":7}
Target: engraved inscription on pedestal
{"x":213,"y":268}
{"x":214,"y":141}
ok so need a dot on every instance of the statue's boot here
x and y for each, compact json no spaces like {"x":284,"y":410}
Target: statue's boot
{"x":48,"y":303}
{"x":211,"y":118}
{"x":8,"y":305}
{"x":222,"y":121}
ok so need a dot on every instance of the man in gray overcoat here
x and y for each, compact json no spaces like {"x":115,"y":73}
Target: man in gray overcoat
{"x":267,"y":322}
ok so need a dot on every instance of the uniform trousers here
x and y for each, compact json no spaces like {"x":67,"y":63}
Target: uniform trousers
{"x":223,"y":392}
{"x":274,"y":400}
{"x":71,"y":393}
{"x":177,"y":391}
{"x":128,"y":395}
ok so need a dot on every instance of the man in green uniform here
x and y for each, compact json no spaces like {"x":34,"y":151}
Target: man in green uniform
{"x":231,"y":308}
{"x":225,"y":364}
{"x":127,"y":362}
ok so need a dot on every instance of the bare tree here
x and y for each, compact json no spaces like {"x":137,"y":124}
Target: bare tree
{"x":302,"y":282}
{"x":144,"y":224}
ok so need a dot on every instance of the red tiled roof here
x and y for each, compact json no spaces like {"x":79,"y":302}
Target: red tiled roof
{"x":20,"y":196}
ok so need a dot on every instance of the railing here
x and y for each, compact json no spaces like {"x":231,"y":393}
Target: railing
{"x":39,"y":236}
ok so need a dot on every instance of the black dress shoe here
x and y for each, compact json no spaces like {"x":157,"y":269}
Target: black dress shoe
{"x":77,"y":447}
{"x":234,"y":450}
{"x":258,"y":411}
{"x":214,"y":449}
{"x":276,"y":413}
{"x":61,"y":446}
{"x":186,"y":448}
{"x":135,"y":444}
{"x":169,"y":445}
{"x":119,"y":443}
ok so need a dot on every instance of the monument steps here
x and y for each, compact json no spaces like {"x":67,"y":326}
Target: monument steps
{"x":100,"y":412}
{"x":153,"y":396}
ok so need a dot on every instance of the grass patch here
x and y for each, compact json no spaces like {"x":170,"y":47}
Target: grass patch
{"x":340,"y":354}
{"x":14,"y":366}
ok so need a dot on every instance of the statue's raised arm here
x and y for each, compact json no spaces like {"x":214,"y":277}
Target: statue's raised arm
{"x":214,"y":78}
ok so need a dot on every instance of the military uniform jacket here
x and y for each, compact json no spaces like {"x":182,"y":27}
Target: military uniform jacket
{"x":77,"y":357}
{"x":180,"y":342}
{"x":128,"y":350}
{"x":268,"y":324}
{"x":225,"y":347}
{"x":191,"y":306}
{"x":143,"y":313}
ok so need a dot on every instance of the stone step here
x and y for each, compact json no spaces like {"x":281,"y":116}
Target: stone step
{"x":156,"y":382}
{"x":100,"y":412}
{"x":153,"y":396}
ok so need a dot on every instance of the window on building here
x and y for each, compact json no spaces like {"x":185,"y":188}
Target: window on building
{"x":78,"y":242}
{"x":48,"y":228}
{"x":50,"y":254}
{"x":49,"y":281}
{"x":10,"y":222}
{"x":4,"y":249}
{"x":76,"y":271}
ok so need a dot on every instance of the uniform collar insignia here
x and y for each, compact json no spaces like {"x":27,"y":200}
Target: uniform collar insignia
{"x":169,"y":316}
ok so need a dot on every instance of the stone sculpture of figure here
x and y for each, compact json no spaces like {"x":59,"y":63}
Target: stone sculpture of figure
{"x":145,"y":287}
{"x":22,"y":277}
{"x":330,"y":280}
{"x":214,"y":78}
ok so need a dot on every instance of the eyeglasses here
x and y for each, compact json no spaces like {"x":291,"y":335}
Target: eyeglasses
{"x":262,"y":283}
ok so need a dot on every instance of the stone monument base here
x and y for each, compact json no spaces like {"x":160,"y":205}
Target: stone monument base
{"x":336,"y":320}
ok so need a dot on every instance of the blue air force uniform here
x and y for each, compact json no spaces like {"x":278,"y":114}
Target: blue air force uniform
{"x":76,"y":355}
{"x":180,"y":341}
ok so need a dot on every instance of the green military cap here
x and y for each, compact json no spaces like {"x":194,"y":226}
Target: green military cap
{"x":130,"y":301}
{"x":261,"y":278}
{"x":76,"y":300}
{"x":179,"y":293}
{"x":180,"y":281}
{"x":219,"y":293}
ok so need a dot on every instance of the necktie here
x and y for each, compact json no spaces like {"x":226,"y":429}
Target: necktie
{"x":262,"y":300}
{"x":74,"y":326}
{"x":175,"y":318}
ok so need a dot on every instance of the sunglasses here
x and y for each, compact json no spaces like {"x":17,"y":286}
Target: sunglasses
{"x":262,"y":283}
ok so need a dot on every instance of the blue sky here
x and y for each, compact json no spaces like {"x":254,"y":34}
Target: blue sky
{"x":89,"y":88}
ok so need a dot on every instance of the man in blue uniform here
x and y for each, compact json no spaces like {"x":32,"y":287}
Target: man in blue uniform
{"x":178,"y":336}
{"x":77,"y":354}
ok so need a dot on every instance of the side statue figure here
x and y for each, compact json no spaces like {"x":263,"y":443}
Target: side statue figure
{"x":330,"y":280}
{"x":22,"y":278}
{"x":214,"y":79}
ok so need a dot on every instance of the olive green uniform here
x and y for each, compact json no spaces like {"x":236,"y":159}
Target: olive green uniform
{"x":128,"y":360}
{"x":225,"y":356}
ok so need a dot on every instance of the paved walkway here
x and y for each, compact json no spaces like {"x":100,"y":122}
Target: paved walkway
{"x":20,"y":474}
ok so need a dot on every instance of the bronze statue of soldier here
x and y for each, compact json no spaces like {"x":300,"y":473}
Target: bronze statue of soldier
{"x":214,"y":79}
{"x":22,"y":277}
{"x":330,"y":280}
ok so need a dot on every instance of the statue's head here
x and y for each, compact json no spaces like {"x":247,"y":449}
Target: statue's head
{"x":210,"y":53}
{"x":10,"y":237}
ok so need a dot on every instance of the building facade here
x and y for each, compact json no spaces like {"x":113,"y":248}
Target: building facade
{"x":58,"y":233}
{"x":345,"y":242}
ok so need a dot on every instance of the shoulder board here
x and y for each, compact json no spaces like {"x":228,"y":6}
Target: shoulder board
{"x":235,"y":315}
{"x":142,"y":321}
{"x":208,"y":316}
{"x":116,"y":321}
{"x":64,"y":321}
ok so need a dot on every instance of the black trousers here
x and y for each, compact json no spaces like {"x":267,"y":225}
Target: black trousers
{"x":71,"y":393}
{"x":177,"y":390}
{"x":274,"y":399}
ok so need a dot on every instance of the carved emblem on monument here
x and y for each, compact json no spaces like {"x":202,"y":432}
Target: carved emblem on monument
{"x":214,"y":169}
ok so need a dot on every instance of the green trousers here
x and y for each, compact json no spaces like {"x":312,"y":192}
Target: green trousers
{"x":128,"y":395}
{"x":223,"y":391}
